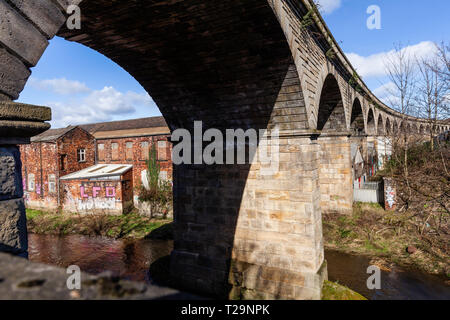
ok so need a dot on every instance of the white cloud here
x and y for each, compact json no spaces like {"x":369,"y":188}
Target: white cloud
{"x":59,"y":86}
{"x":375,"y":65}
{"x":328,"y":6}
{"x":388,"y":94}
{"x":98,"y":106}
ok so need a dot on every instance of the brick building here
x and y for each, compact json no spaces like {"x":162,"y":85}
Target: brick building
{"x":59,"y":152}
{"x":51,"y":155}
{"x":99,"y":189}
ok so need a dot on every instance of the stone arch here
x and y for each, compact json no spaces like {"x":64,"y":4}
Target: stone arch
{"x":388,"y":126}
{"x":331,"y":112}
{"x":229,"y":65}
{"x":370,"y":122}
{"x":381,"y":129}
{"x":420,"y":128}
{"x":357,"y":118}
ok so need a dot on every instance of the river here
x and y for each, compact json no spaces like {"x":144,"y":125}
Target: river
{"x":131,"y":260}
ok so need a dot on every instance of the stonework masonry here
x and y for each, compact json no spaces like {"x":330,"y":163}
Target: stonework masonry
{"x":13,"y":231}
{"x":336,"y":177}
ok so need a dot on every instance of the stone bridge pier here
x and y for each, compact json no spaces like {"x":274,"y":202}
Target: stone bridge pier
{"x":336,"y":178}
{"x":244,"y":233}
{"x":18,"y":122}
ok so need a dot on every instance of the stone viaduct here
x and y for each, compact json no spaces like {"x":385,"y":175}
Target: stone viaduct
{"x":261,"y":64}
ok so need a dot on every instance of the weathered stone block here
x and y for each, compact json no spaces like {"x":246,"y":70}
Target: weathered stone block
{"x":10,"y":174}
{"x":44,"y":13}
{"x":13,"y":227}
{"x":13,"y":74}
{"x":20,"y":36}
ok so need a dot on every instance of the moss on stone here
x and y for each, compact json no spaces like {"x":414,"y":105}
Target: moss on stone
{"x":335,"y":291}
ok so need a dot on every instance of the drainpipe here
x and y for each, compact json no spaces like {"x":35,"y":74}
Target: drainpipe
{"x":42,"y":171}
{"x":58,"y":193}
{"x":95,"y":151}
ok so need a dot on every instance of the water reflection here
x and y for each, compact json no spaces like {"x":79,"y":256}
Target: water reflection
{"x":131,"y":260}
{"x":351,"y":271}
{"x":127,"y":259}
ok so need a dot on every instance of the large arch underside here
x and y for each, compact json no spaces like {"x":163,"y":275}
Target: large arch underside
{"x":227,"y":64}
{"x":215,"y":61}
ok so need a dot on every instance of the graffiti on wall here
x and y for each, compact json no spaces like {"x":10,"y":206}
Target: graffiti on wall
{"x":97,"y":198}
{"x":110,"y":192}
{"x":97,"y":204}
{"x":390,"y":196}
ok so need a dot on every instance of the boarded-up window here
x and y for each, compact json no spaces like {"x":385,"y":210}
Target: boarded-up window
{"x":101,"y":152}
{"x":114,"y":151}
{"x":162,"y":150}
{"x":31,"y":182}
{"x":144,"y":150}
{"x":52,"y":183}
{"x":129,"y":150}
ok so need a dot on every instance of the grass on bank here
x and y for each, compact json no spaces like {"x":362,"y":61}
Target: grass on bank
{"x":132,"y":225}
{"x":335,"y":291}
{"x":384,"y":235}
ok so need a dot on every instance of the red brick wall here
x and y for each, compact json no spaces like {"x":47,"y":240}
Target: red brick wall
{"x":39,"y":159}
{"x":69,"y":144}
{"x":138,"y":155}
{"x":44,"y":157}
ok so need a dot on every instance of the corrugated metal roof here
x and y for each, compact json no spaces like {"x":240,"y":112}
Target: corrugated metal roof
{"x":99,"y":171}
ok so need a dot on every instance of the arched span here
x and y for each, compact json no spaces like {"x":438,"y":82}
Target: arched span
{"x":357,"y":118}
{"x":381,"y":130}
{"x":370,"y":124}
{"x":388,"y":126}
{"x":331,"y":113}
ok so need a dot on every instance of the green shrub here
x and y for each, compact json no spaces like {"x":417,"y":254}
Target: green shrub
{"x":159,"y":193}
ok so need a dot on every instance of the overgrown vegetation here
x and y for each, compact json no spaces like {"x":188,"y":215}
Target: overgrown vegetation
{"x":422,"y":218}
{"x":158,"y":193}
{"x":124,"y":226}
{"x":385,"y":236}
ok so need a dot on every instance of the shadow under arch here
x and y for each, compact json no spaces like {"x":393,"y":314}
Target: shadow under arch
{"x":225,"y":63}
{"x":388,"y":126}
{"x":331,"y":112}
{"x":381,"y":129}
{"x":371,"y":129}
{"x":357,"y":118}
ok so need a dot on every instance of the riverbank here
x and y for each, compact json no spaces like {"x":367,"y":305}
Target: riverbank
{"x":130,"y":226}
{"x":386,"y":237}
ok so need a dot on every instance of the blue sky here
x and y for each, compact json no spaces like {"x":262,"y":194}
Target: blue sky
{"x":83,"y":86}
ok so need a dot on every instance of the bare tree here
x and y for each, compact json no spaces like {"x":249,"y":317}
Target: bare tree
{"x":432,"y":93}
{"x":443,"y":54}
{"x":399,"y":66}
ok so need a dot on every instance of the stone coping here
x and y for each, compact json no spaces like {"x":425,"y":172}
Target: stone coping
{"x":19,"y":111}
{"x":21,"y":279}
{"x":19,"y":122}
